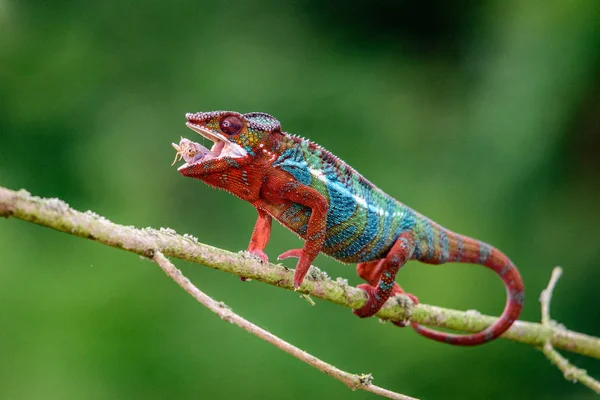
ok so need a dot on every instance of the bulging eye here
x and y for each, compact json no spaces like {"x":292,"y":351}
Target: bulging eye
{"x":231,"y":125}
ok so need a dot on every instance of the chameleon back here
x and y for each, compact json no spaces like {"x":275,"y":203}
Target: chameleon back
{"x":362,"y":221}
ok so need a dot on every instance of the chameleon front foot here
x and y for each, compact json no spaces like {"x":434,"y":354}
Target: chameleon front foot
{"x":302,"y":266}
{"x":259,"y":255}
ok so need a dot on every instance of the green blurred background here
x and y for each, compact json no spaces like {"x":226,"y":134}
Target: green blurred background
{"x":484,"y":115}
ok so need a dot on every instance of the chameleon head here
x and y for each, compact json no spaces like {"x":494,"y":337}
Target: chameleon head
{"x":234,"y":135}
{"x":240,"y":141}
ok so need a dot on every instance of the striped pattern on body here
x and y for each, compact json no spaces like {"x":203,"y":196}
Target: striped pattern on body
{"x":362,"y":221}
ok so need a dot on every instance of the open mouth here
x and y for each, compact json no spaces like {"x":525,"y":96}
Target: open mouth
{"x":194,"y":153}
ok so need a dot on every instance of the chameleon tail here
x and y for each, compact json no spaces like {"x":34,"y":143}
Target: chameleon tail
{"x":466,"y":250}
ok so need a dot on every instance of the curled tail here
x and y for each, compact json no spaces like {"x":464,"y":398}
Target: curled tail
{"x":458,"y":248}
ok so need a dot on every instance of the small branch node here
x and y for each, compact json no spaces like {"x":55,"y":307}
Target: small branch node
{"x":365,"y":379}
{"x":150,"y":253}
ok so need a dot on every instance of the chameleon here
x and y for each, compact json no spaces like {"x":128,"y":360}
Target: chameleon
{"x":335,"y":210}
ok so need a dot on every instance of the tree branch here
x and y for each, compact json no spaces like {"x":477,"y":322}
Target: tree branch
{"x":353,"y":381}
{"x":569,"y":371}
{"x":56,"y":214}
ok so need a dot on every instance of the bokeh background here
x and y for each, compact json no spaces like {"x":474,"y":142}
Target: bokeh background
{"x":484,"y":115}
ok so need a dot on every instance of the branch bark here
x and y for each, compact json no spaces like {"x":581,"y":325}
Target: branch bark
{"x":56,"y":214}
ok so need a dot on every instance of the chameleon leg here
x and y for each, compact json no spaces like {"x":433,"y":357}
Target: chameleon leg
{"x":315,"y":232}
{"x":260,"y":237}
{"x":371,"y":272}
{"x":381,"y":275}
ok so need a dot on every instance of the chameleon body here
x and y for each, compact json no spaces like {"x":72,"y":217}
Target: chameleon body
{"x":335,"y":210}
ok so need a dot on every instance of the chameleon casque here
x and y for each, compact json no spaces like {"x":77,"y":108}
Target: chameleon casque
{"x":335,"y":210}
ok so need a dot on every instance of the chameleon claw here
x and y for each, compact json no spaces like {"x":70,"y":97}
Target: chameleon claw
{"x":294,"y":253}
{"x":398,"y":290}
{"x":301,"y":267}
{"x":371,"y":306}
{"x":401,"y":324}
{"x":260,"y":255}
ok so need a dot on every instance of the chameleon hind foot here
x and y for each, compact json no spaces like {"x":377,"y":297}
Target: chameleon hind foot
{"x":259,"y":255}
{"x":375,"y":302}
{"x":398,"y":290}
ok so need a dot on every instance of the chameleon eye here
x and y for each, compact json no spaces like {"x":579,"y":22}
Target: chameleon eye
{"x":231,"y":125}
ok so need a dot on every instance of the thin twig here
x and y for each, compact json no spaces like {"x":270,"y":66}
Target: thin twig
{"x":546,"y":296}
{"x":570,"y":372}
{"x":56,"y":214}
{"x":353,"y":381}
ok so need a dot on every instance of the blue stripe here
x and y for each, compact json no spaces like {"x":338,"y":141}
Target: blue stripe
{"x":354,"y":246}
{"x":444,"y":244}
{"x":340,"y":236}
{"x":384,"y":237}
{"x":299,"y":171}
{"x":484,"y":252}
{"x":429,"y":236}
{"x":408,"y":220}
{"x":292,"y":161}
{"x":459,"y":248}
{"x":366,"y":237}
{"x":342,"y":204}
